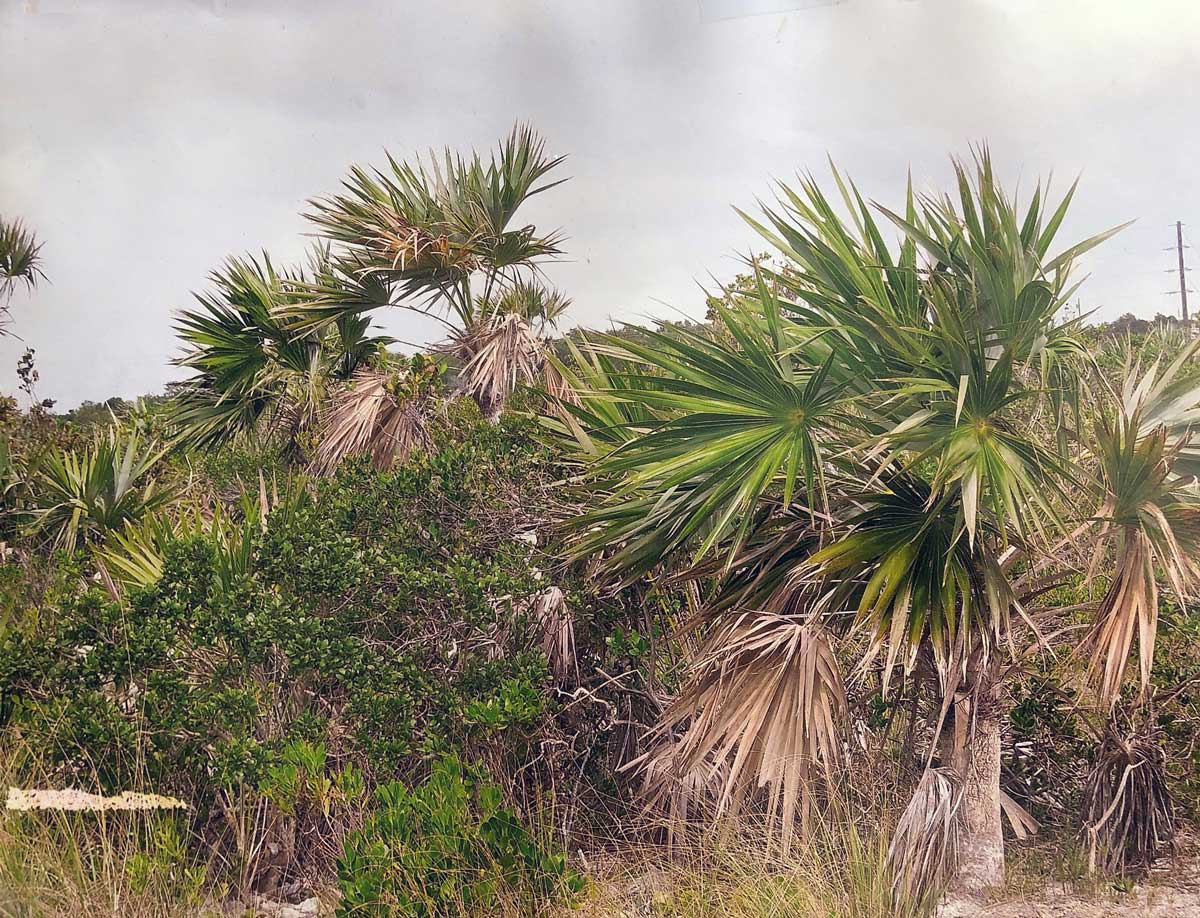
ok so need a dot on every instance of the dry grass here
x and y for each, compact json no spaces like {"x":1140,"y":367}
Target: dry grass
{"x":840,"y":872}
{"x":56,"y":863}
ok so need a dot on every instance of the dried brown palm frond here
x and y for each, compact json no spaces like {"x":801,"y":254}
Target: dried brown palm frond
{"x":501,"y":353}
{"x":1150,"y":516}
{"x":558,"y":387}
{"x":762,"y":710}
{"x":1129,"y":608}
{"x":1127,"y":803}
{"x":924,"y":848}
{"x":1020,"y":820}
{"x":557,"y":625}
{"x":682,"y":798}
{"x":369,"y":418}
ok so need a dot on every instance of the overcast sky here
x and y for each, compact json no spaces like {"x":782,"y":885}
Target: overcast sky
{"x":146,"y":141}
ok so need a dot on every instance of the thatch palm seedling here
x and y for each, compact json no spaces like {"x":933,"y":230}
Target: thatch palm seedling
{"x":81,"y":495}
{"x":884,"y":443}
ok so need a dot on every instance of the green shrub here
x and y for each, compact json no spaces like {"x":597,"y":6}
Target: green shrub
{"x":448,"y":847}
{"x":271,"y":674}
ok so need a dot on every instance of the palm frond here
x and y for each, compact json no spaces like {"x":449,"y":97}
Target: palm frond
{"x":501,"y":353}
{"x":557,"y":625}
{"x":1149,"y":515}
{"x":419,"y":230}
{"x":585,"y":419}
{"x":20,"y":257}
{"x":741,"y":421}
{"x":924,"y":847}
{"x":374,"y":416}
{"x":762,"y":708}
{"x":912,"y":578}
{"x":255,"y":368}
{"x":135,"y":555}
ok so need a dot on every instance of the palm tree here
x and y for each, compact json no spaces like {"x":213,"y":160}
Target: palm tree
{"x":439,"y":238}
{"x":886,"y":443}
{"x":20,"y":263}
{"x":254,"y":369}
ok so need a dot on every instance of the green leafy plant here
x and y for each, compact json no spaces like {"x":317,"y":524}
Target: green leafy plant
{"x":445,"y":848}
{"x":81,"y":495}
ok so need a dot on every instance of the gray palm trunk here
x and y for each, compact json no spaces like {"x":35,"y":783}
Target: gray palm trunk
{"x":972,"y":747}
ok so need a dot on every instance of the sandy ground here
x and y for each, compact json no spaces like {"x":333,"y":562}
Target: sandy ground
{"x":1155,"y":903}
{"x":1170,"y":892}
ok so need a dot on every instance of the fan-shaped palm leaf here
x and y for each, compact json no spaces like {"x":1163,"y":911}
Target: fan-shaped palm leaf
{"x":420,"y":230}
{"x":20,"y":257}
{"x":741,"y":420}
{"x":377,"y":415}
{"x":762,"y":709}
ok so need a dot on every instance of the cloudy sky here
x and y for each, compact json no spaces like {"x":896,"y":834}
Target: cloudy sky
{"x":146,"y":140}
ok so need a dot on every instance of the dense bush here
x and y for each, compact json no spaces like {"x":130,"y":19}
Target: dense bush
{"x":377,"y":622}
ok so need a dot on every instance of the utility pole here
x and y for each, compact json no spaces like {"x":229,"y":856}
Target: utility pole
{"x":1182,"y":277}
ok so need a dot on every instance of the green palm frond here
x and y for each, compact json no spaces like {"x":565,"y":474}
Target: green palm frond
{"x":741,"y":419}
{"x":20,"y":263}
{"x":912,"y":578}
{"x":587,"y":421}
{"x":532,"y":301}
{"x":419,"y":231}
{"x":253,"y":367}
{"x":81,"y":494}
{"x":20,"y":257}
{"x":135,"y":555}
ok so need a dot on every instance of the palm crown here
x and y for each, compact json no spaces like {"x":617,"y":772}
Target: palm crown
{"x":253,"y":367}
{"x":20,"y":262}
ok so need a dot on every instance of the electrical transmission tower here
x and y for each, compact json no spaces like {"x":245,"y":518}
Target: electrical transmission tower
{"x":1182,"y":268}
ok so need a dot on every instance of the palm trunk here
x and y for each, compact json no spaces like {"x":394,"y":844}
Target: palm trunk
{"x":977,"y":760}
